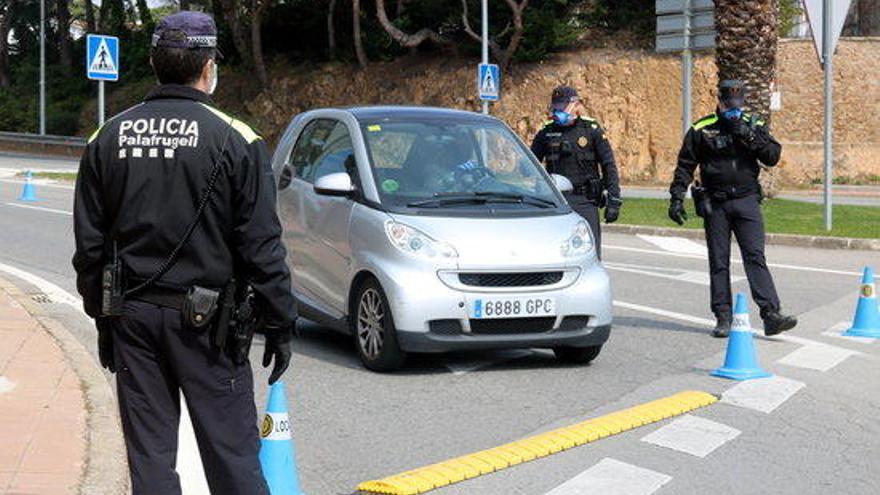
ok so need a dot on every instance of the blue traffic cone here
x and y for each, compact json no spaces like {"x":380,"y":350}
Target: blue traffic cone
{"x":276,"y":446}
{"x":866,"y":322}
{"x":741,"y":362}
{"x":28,"y":193}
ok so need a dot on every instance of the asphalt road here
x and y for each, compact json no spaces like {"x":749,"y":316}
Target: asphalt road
{"x":351,"y":425}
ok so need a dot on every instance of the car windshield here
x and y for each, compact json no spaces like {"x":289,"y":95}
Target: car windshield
{"x":445,"y":164}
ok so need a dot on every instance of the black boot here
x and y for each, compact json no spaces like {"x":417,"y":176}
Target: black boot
{"x":722,"y":327}
{"x":776,"y":322}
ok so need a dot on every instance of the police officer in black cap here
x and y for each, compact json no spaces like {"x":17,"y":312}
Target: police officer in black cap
{"x":574,"y":146}
{"x":729,"y":146}
{"x":174,"y":215}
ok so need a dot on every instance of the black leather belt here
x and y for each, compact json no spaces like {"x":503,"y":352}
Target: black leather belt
{"x":160,"y":297}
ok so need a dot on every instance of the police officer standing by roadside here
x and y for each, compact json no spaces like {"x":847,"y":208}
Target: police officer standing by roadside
{"x":575,"y":146}
{"x":174,"y":215}
{"x":729,"y":146}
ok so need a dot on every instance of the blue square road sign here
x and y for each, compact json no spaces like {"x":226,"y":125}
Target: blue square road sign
{"x":489,"y":82}
{"x":102,"y":57}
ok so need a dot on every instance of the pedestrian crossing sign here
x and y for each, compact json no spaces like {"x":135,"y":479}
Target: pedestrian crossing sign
{"x":102,"y":57}
{"x":489,"y":82}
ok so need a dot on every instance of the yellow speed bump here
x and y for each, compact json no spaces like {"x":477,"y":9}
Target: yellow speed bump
{"x":470,"y":466}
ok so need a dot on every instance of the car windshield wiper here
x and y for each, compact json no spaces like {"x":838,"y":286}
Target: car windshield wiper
{"x":482,"y":197}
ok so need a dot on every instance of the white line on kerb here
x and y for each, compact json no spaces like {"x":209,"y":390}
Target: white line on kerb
{"x":188,"y":454}
{"x":738,"y":261}
{"x":41,"y":208}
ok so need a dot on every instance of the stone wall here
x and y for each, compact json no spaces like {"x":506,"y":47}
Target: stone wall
{"x":634,"y":94}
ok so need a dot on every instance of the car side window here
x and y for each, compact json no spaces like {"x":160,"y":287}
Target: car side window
{"x":310,"y":147}
{"x":337,"y":154}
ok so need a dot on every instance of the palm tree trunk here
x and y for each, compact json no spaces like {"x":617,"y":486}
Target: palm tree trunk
{"x":746,"y":48}
{"x":869,"y":17}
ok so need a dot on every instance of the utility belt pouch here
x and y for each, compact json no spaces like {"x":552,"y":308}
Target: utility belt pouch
{"x":227,"y":313}
{"x":702,"y":201}
{"x":199,"y":308}
{"x":593,"y":189}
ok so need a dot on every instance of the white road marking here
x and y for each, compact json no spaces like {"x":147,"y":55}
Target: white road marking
{"x":675,"y":244}
{"x":464,"y":366}
{"x":764,"y":394}
{"x":189,"y":463}
{"x":41,"y":208}
{"x":612,"y":477}
{"x":6,"y":385}
{"x":817,"y":357}
{"x":733,"y":260}
{"x":188,"y":453}
{"x":681,"y":275}
{"x":837,"y":331}
{"x":692,"y":435}
{"x":668,"y":314}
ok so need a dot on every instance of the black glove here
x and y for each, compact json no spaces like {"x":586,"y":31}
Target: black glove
{"x":277,"y":347}
{"x":105,"y":343}
{"x":612,"y":210}
{"x":742,"y":132}
{"x":676,"y":211}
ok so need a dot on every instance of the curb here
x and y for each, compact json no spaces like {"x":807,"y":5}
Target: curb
{"x":105,"y":471}
{"x":808,"y":241}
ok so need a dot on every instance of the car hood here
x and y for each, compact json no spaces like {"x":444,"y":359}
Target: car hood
{"x":501,"y":243}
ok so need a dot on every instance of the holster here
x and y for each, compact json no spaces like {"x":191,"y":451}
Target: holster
{"x":245,"y":320}
{"x":702,"y":201}
{"x":592,"y":189}
{"x":199,"y":308}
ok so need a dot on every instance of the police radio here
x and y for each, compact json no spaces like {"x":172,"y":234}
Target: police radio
{"x":112,"y":287}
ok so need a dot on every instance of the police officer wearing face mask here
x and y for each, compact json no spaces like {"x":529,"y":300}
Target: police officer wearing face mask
{"x":174,"y":201}
{"x":729,"y":147}
{"x":575,"y":146}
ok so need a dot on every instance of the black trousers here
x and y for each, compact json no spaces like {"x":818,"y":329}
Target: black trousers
{"x":156,"y":359}
{"x":743,"y":217}
{"x":589,"y":210}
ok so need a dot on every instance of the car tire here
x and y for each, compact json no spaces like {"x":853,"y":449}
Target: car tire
{"x":577,"y":355}
{"x":372,"y":325}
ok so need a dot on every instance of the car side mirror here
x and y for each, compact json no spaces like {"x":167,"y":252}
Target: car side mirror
{"x":562,"y":183}
{"x":336,"y":184}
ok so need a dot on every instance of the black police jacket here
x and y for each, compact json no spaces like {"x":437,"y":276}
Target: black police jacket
{"x":581,"y":153}
{"x":140,"y":181}
{"x":728,"y":162}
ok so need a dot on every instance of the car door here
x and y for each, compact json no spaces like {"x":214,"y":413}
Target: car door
{"x":324,"y":254}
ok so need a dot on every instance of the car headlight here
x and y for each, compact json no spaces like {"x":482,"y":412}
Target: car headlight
{"x":417,"y":243}
{"x":580,"y":242}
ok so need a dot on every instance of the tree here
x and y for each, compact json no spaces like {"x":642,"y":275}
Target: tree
{"x":258,"y":8}
{"x":112,"y":16}
{"x":146,"y":16}
{"x":7,"y":10}
{"x":233,"y":12}
{"x":91,"y":25}
{"x":404,"y":39}
{"x":503,"y":55}
{"x":64,"y":45}
{"x":356,"y":32}
{"x":746,"y":47}
{"x":331,"y":29}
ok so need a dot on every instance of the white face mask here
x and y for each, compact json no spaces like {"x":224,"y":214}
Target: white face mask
{"x":214,"y":77}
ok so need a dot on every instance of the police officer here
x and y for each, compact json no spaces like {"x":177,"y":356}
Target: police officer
{"x":729,"y":146}
{"x":142,"y":180}
{"x":575,"y":146}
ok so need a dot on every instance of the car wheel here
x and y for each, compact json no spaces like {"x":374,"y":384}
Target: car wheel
{"x":374,"y":334}
{"x":577,"y":355}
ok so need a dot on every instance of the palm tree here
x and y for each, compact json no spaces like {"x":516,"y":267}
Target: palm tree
{"x":746,"y":47}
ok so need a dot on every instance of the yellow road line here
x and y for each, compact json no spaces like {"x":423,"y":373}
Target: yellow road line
{"x":470,"y":466}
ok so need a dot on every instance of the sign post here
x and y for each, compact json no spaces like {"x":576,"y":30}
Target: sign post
{"x":826,"y":22}
{"x":102,"y":64}
{"x":684,"y":26}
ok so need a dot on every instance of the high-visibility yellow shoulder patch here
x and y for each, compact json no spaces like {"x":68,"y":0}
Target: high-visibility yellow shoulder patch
{"x":245,"y":130}
{"x":95,"y":134}
{"x":548,"y":122}
{"x":705,"y":121}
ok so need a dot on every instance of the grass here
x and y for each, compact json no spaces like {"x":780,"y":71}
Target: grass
{"x":65,"y":176}
{"x":781,"y":216}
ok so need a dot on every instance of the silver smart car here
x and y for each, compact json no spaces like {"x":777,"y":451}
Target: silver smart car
{"x":429,"y":230}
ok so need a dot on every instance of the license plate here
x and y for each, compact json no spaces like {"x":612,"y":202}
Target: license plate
{"x":513,"y":307}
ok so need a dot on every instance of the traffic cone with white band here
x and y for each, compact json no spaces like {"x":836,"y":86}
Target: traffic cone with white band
{"x":741,"y":361}
{"x":866,"y":322}
{"x":277,"y":455}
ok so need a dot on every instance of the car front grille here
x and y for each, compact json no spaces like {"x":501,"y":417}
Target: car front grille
{"x":503,"y":326}
{"x":520,"y":279}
